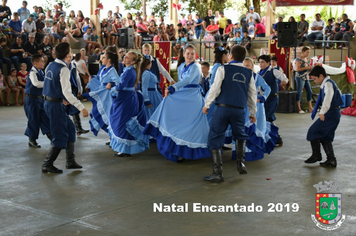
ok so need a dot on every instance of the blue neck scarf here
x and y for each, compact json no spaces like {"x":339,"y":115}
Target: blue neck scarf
{"x":262,"y":72}
{"x":235,"y":61}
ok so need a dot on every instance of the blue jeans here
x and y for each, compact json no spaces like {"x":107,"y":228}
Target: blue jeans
{"x":15,"y":60}
{"x":8,"y":62}
{"x":198,"y":33}
{"x":303,"y":84}
{"x":314,"y":36}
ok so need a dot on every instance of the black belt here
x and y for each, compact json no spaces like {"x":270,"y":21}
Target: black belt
{"x":226,"y":105}
{"x":50,"y":99}
{"x":274,"y":94}
{"x":336,"y":107}
{"x":32,"y":96}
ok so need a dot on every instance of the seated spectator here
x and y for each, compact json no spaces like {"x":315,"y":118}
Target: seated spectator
{"x":137,"y":36}
{"x":190,"y":22}
{"x":171,"y":31}
{"x":125,"y":23}
{"x":213,"y":30}
{"x":70,"y":19}
{"x":317,"y":28}
{"x":252,"y":13}
{"x":54,"y":33}
{"x":23,"y":11}
{"x":145,"y":21}
{"x":238,"y":38}
{"x":280,"y":19}
{"x":110,"y":17}
{"x":62,"y":29}
{"x":152,"y":29}
{"x":49,"y":17}
{"x":158,"y":37}
{"x":182,"y":29}
{"x":94,"y":38}
{"x":237,"y":28}
{"x":5,"y":11}
{"x":260,"y":30}
{"x":291,"y":19}
{"x":181,"y":41}
{"x":31,"y":47}
{"x":346,"y":32}
{"x":19,"y":55}
{"x":82,"y":69}
{"x":76,"y":29}
{"x":142,"y":29}
{"x":15,"y":25}
{"x":198,"y":26}
{"x":228,"y":29}
{"x":86,"y":25}
{"x":152,"y":17}
{"x":22,"y":75}
{"x":246,"y":41}
{"x":3,"y":59}
{"x":60,"y":10}
{"x":329,"y":32}
{"x":303,"y":27}
{"x":4,"y":88}
{"x":106,"y":32}
{"x":80,"y":17}
{"x":40,"y":25}
{"x":34,"y":13}
{"x":5,"y":29}
{"x":183,"y":21}
{"x":97,"y":52}
{"x":191,"y":33}
{"x":28,"y":26}
{"x":15,"y":87}
{"x":45,"y":50}
{"x":230,"y":41}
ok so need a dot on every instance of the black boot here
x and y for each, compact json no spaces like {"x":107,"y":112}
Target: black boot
{"x":279,"y":142}
{"x":51,"y":156}
{"x":216,"y":176}
{"x":33,"y":143}
{"x":50,"y":137}
{"x":316,"y":156}
{"x":71,"y":164}
{"x":330,"y":157}
{"x":240,"y":156}
{"x":78,"y":125}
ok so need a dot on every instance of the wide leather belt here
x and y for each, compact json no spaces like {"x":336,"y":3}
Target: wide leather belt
{"x":226,"y":105}
{"x":50,"y":99}
{"x":32,"y":96}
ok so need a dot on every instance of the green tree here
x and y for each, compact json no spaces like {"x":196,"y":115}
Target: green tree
{"x":48,"y":5}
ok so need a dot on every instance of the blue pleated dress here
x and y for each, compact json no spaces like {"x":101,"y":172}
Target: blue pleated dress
{"x":178,"y":124}
{"x":127,"y":116}
{"x":212,"y":106}
{"x":150,"y":92}
{"x":101,"y":98}
{"x":262,"y":134}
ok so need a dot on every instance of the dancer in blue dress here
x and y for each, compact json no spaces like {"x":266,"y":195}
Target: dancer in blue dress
{"x":152,"y":97}
{"x":262,"y":134}
{"x":178,"y":125}
{"x":127,"y":114}
{"x":99,"y":95}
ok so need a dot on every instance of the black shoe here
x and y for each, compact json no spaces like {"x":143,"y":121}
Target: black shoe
{"x":241,"y":168}
{"x":33,"y":143}
{"x":329,"y":163}
{"x":314,"y":158}
{"x":82,"y":131}
{"x":121,"y":155}
{"x":214,"y":178}
{"x":78,"y":125}
{"x":51,"y":169}
{"x":226,"y":148}
{"x":180,"y":159}
{"x":73,"y":165}
{"x":107,"y":143}
{"x":279,"y":142}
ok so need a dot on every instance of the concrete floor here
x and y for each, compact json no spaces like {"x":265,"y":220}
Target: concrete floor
{"x":115,"y":196}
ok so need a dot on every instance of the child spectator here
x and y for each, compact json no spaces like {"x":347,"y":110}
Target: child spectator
{"x":4,"y":88}
{"x":191,"y":33}
{"x":22,"y":75}
{"x":251,"y":27}
{"x":5,"y":28}
{"x":3,"y":59}
{"x":205,"y":77}
{"x":238,"y":38}
{"x":246,"y":41}
{"x":230,"y":41}
{"x":15,"y":87}
{"x":329,"y":33}
{"x":181,"y":40}
{"x":97,"y":51}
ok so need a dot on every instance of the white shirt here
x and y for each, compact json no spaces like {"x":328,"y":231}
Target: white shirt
{"x":281,"y":76}
{"x":28,"y":26}
{"x":255,"y":16}
{"x":79,"y":83}
{"x":215,"y":90}
{"x":86,"y":37}
{"x":67,"y":87}
{"x":329,"y":93}
{"x":34,"y":79}
{"x":319,"y":23}
{"x":80,"y":66}
{"x":163,"y":71}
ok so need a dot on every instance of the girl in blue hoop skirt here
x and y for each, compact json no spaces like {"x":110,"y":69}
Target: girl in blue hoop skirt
{"x":152,"y":98}
{"x":178,"y":125}
{"x":99,"y":95}
{"x":127,"y":115}
{"x":262,"y":134}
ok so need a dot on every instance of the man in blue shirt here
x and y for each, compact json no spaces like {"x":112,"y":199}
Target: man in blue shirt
{"x":23,"y":11}
{"x":15,"y":26}
{"x":198,"y":26}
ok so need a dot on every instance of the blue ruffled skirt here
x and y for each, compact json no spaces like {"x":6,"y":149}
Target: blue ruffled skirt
{"x":155,"y":98}
{"x":127,"y":121}
{"x":102,"y":102}
{"x":262,"y":136}
{"x":179,"y":126}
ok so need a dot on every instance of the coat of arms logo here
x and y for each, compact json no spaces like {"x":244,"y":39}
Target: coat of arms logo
{"x":328,"y":206}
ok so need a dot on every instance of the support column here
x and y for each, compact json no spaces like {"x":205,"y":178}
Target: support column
{"x":95,"y":19}
{"x":270,"y":17}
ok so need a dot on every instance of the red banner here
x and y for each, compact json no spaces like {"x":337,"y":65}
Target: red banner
{"x":162,"y":51}
{"x":282,"y":54}
{"x":313,"y":2}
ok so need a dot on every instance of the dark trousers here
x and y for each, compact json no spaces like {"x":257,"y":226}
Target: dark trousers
{"x":270,"y":107}
{"x":325,"y":130}
{"x":8,"y":63}
{"x":62,"y":127}
{"x":37,"y":118}
{"x":222,"y":118}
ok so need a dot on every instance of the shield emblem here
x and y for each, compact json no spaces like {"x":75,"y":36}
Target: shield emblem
{"x":328,"y":207}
